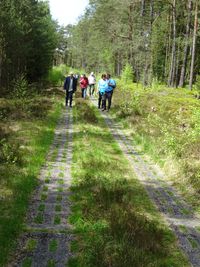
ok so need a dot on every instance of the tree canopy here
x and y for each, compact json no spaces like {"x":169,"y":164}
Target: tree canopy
{"x":28,"y":39}
{"x":159,"y":39}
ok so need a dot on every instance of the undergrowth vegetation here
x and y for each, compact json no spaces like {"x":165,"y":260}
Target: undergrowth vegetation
{"x":58,"y":73}
{"x":165,"y":123}
{"x":115,"y":224}
{"x":27,"y":122}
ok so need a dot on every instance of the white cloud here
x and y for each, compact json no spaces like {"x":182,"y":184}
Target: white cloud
{"x":67,"y":11}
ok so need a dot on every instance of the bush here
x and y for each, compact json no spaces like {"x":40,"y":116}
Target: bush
{"x":20,"y":86}
{"x":9,"y":153}
{"x":197,"y":84}
{"x":127,"y":74}
{"x":57,"y":75}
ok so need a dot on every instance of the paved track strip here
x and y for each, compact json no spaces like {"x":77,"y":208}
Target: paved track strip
{"x":46,"y":241}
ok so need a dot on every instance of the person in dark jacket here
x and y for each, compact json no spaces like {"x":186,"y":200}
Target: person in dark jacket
{"x":70,"y":85}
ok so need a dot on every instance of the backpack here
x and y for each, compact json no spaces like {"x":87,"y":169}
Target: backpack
{"x":114,"y":85}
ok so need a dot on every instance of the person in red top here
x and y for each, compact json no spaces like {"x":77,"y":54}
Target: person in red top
{"x":84,"y":85}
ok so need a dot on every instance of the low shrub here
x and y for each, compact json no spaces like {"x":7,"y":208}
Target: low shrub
{"x":10,"y":152}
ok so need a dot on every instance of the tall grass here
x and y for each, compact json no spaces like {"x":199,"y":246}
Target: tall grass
{"x":115,"y":222}
{"x":164,"y":122}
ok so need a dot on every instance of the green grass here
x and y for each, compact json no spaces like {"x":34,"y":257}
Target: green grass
{"x":41,"y":207}
{"x":45,"y":188}
{"x":53,"y":246}
{"x":57,"y":220}
{"x":198,"y":228}
{"x":60,"y":181}
{"x":31,"y":245}
{"x":39,"y":219}
{"x":183,"y":229}
{"x":33,"y":129}
{"x":164,"y":123}
{"x":58,"y":208}
{"x":61,"y":174}
{"x":43,"y":196}
{"x":54,"y":155}
{"x":193,"y":243}
{"x":59,"y":198}
{"x":115,"y":222}
{"x":51,"y":263}
{"x":27,"y":262}
{"x":60,"y":189}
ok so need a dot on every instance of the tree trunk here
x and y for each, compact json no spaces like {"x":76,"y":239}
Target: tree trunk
{"x":151,"y":11}
{"x":186,"y":48}
{"x":194,"y":45}
{"x":1,"y":64}
{"x":142,"y":7}
{"x":167,"y":48}
{"x":173,"y":56}
{"x":150,"y":41}
{"x":177,"y":65}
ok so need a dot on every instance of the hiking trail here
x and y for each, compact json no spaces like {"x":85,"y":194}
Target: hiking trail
{"x":46,"y":239}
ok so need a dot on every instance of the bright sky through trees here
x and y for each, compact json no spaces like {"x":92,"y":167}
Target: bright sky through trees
{"x":67,"y":11}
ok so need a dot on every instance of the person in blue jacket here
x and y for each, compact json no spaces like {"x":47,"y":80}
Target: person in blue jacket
{"x":70,"y":86}
{"x":102,"y":86}
{"x":109,"y":90}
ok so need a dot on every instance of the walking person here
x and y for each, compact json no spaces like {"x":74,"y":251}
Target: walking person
{"x":92,"y":82}
{"x":84,"y":85}
{"x":70,"y":86}
{"x":109,"y":91}
{"x":102,"y":86}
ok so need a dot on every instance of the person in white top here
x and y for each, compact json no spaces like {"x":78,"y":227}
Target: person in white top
{"x":92,"y":82}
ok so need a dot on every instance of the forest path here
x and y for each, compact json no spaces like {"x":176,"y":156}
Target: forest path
{"x":46,"y":239}
{"x":178,"y":214}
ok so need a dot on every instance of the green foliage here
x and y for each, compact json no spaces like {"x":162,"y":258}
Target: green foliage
{"x":195,"y":129}
{"x":108,"y":60}
{"x":27,"y":39}
{"x":142,"y":37}
{"x":20,"y":86}
{"x":197,"y":84}
{"x":127,"y":74}
{"x":9,"y":153}
{"x":57,"y":75}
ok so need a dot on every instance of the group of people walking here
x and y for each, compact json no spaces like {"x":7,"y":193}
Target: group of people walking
{"x":105,"y":88}
{"x":87,"y":83}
